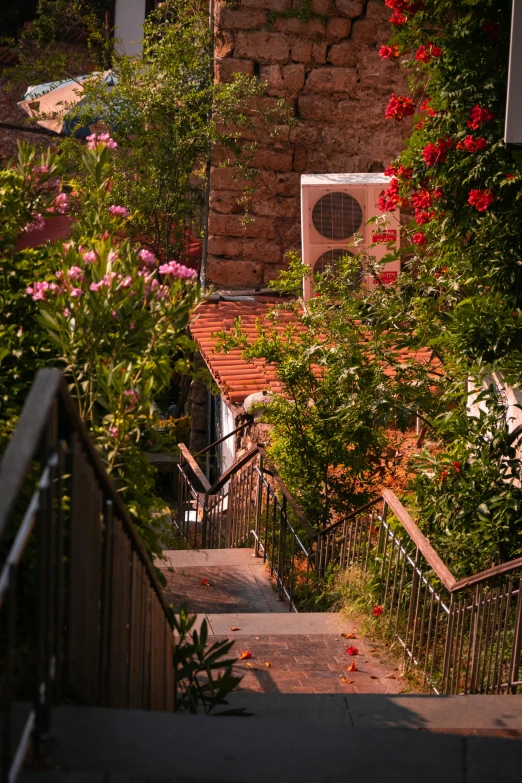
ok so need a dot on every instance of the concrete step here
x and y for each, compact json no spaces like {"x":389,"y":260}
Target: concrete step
{"x":284,"y":747}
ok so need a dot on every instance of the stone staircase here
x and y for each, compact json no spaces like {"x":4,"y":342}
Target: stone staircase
{"x":291,"y":652}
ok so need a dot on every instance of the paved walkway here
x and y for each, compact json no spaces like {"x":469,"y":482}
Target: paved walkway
{"x":289,"y":652}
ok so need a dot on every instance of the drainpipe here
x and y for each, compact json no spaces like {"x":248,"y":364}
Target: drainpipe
{"x":206,"y":210}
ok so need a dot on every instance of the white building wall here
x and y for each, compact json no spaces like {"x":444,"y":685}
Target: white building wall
{"x":129,"y":17}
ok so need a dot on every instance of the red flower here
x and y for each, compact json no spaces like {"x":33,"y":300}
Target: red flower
{"x":443,"y":475}
{"x":352,"y":651}
{"x":472,"y":145}
{"x":419,"y":238}
{"x":421,"y":199}
{"x":510,"y":176}
{"x":399,"y":107}
{"x":456,"y":465}
{"x":378,"y":610}
{"x":403,"y":172}
{"x":425,"y":107}
{"x":389,"y":199}
{"x":389,"y":52}
{"x":477,"y":116}
{"x":424,"y":217}
{"x":425,"y":53}
{"x":391,"y":171}
{"x":437,"y":193}
{"x":515,"y":314}
{"x":397,"y":18}
{"x":481,"y":199}
{"x":436,"y":153}
{"x":492,"y":30}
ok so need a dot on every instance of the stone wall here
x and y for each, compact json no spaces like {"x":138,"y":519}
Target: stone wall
{"x":329,"y":71}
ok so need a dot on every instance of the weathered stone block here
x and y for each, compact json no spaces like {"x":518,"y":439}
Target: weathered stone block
{"x":349,"y":8}
{"x":273,"y":76}
{"x":263,"y":47}
{"x":338,"y":28}
{"x":287,"y":184}
{"x":270,"y":5}
{"x":293,"y":77}
{"x":272,"y":272}
{"x":231,"y":178}
{"x":289,"y":233}
{"x":300,"y":161}
{"x":232,"y":226}
{"x":315,"y":107}
{"x":223,"y":44}
{"x":240,"y":18}
{"x":234,"y":274}
{"x":225,"y":68}
{"x":305,"y":135}
{"x":330,"y":80}
{"x":319,"y":51}
{"x":314,"y":28}
{"x":344,"y":54}
{"x":302,"y":51}
{"x":324,"y":7}
{"x":245,"y":249}
{"x":277,"y":207}
{"x":374,"y":27}
{"x":273,"y":159}
{"x":225,"y":201}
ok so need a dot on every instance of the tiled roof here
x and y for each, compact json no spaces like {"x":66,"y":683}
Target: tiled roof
{"x":236,"y":377}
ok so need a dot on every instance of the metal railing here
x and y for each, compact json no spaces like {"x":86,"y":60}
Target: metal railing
{"x":84,"y":617}
{"x":463,"y":636}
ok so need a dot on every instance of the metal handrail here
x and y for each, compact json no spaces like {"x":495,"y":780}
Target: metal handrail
{"x":102,"y":630}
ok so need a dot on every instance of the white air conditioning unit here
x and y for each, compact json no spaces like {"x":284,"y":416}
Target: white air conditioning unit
{"x":333,"y":208}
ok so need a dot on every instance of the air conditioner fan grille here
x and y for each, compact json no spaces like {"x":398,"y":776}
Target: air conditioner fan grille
{"x":337,"y":216}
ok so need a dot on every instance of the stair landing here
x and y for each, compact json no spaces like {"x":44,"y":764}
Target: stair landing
{"x":289,"y":652}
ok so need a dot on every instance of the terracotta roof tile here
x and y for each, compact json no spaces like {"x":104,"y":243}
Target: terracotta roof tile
{"x":237,"y":378}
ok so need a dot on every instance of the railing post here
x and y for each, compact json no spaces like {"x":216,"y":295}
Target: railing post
{"x":517,"y":642}
{"x":204,"y":522}
{"x":259,"y":503}
{"x":448,"y":647}
{"x":281,"y":554}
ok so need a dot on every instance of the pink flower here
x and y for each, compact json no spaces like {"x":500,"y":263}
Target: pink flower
{"x":119,"y":211}
{"x":76,"y":292}
{"x":148,"y":258}
{"x":114,"y":432}
{"x":89,"y":257}
{"x":477,"y":116}
{"x":36,"y":225}
{"x":55,"y":289}
{"x":61,"y":203}
{"x":126,"y":282}
{"x":399,"y":107}
{"x":481,"y":199}
{"x":104,"y":139}
{"x":66,"y":312}
{"x":177,"y":270}
{"x":75,"y":273}
{"x":40,"y":170}
{"x":108,"y":278}
{"x":96,"y":286}
{"x":37,"y":291}
{"x":114,"y":315}
{"x":419,"y":238}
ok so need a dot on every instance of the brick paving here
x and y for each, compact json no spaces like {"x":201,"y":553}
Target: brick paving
{"x":303,"y":658}
{"x":310,"y":663}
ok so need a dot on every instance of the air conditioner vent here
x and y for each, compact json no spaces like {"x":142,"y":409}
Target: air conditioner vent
{"x":337,"y":216}
{"x":330,"y":258}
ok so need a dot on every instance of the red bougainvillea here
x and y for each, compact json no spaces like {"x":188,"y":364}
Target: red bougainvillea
{"x":436,"y":153}
{"x":426,"y":52}
{"x":419,"y":238}
{"x":481,"y":199}
{"x":399,"y":107}
{"x":389,"y":52}
{"x":479,"y":115}
{"x":472,"y":145}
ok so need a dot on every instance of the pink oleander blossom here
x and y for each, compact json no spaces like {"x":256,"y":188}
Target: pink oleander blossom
{"x":114,"y":432}
{"x":126,"y":282}
{"x":37,"y":291}
{"x":148,"y":258}
{"x":36,"y":224}
{"x":117,"y":211}
{"x":75,"y":273}
{"x":96,"y":286}
{"x":103,"y":138}
{"x":77,"y":292}
{"x":61,"y":202}
{"x":177,"y":270}
{"x":89,"y":257}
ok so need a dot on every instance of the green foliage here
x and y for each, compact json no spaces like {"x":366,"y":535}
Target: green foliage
{"x":337,"y":399}
{"x":203,"y":674}
{"x":469,"y":494}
